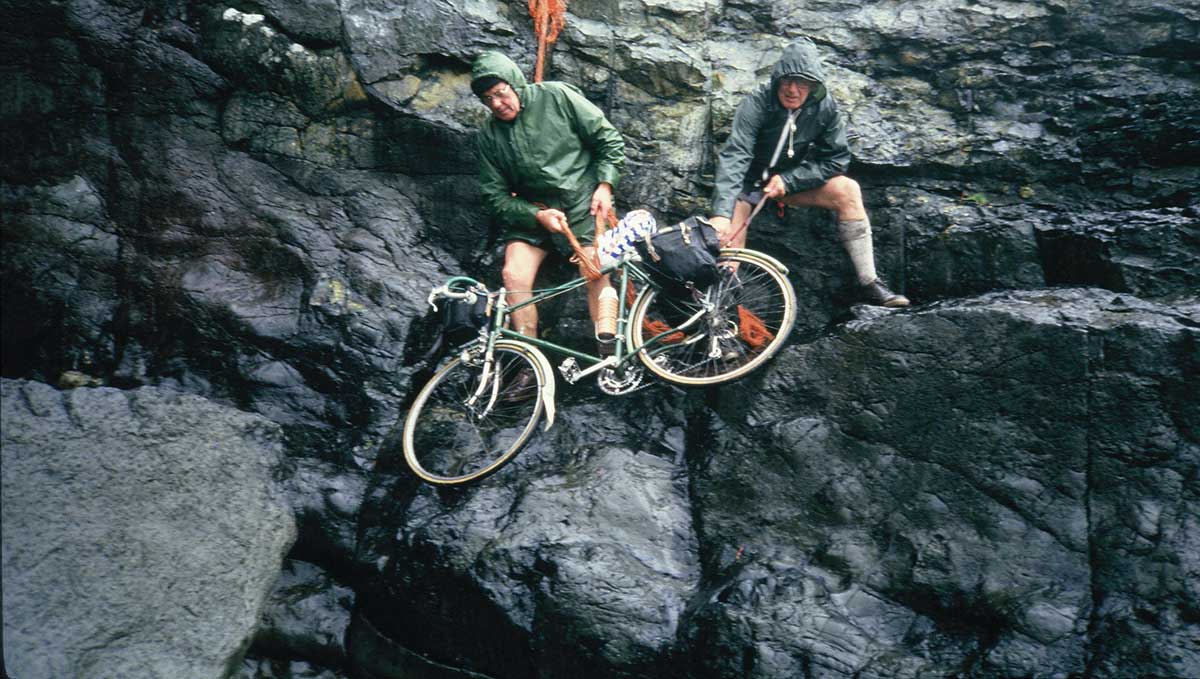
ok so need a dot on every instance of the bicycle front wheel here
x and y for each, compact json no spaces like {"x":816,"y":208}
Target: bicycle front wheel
{"x":753,"y":310}
{"x":464,"y":426}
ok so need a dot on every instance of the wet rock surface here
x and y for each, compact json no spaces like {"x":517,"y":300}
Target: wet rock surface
{"x":142,"y":531}
{"x":248,"y":202}
{"x":973,"y":516}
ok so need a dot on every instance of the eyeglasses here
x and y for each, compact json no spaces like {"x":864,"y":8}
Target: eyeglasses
{"x":501,"y":92}
{"x":802,"y":83}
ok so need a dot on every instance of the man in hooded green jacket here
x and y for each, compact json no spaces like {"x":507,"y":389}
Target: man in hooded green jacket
{"x":789,"y":142}
{"x":548,"y":162}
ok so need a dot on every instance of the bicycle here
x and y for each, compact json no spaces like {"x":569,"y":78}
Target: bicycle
{"x":466,"y":423}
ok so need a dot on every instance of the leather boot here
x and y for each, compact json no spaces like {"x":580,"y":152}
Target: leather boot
{"x":877,"y":293}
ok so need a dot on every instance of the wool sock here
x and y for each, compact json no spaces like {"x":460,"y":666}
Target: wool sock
{"x":856,"y":238}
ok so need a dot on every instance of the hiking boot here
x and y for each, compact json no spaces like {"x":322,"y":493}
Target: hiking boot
{"x":877,"y":293}
{"x":523,"y":385}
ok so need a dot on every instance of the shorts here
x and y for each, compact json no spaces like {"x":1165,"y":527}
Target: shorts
{"x":551,"y":242}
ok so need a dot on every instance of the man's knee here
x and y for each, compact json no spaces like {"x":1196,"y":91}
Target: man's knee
{"x":518,"y":271}
{"x":521,"y":262}
{"x":517,"y":275}
{"x":844,"y":191}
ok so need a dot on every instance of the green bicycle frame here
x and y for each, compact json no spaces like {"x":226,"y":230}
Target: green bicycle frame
{"x":627,"y":271}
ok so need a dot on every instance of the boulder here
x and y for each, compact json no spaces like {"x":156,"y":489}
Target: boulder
{"x":143,"y":531}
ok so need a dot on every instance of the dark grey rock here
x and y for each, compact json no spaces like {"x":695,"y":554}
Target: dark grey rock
{"x":251,"y":202}
{"x":306,"y":616}
{"x":247,"y":48}
{"x":259,"y":668}
{"x":1150,"y":253}
{"x":583,"y":548}
{"x":142,"y":532}
{"x":949,"y":478}
{"x":316,"y":21}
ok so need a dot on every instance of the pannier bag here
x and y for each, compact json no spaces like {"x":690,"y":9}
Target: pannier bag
{"x":462,"y":318}
{"x":683,"y":256}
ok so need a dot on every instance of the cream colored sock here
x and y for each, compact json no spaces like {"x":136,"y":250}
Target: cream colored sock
{"x":856,"y":238}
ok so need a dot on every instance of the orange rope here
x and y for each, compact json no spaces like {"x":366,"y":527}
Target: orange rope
{"x":589,"y":266}
{"x":652,"y":327}
{"x":753,"y":331}
{"x":549,"y":16}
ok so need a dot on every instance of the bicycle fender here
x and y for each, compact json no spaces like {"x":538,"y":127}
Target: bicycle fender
{"x":757,"y":255}
{"x":547,"y":387}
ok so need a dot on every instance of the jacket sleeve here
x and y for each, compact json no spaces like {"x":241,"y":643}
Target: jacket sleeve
{"x":497,"y":195}
{"x":734,"y":160}
{"x":828,"y":157}
{"x":606,"y":143}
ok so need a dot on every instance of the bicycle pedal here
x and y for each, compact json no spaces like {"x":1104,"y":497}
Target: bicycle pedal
{"x":570,"y":370}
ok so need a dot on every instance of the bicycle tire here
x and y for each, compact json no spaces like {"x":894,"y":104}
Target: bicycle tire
{"x":446,"y":442}
{"x":759,"y":292}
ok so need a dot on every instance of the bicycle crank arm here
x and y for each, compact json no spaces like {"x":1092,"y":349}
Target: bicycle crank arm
{"x":606,"y":363}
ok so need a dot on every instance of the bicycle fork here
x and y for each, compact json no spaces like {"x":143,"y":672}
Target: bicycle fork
{"x":489,"y":378}
{"x":485,"y":380}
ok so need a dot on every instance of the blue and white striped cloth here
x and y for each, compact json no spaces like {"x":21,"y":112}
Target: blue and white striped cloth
{"x":614,"y":243}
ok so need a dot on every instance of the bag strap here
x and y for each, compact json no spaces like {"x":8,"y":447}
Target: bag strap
{"x":685,"y":230}
{"x":649,"y":239}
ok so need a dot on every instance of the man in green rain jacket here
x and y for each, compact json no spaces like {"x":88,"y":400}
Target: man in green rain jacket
{"x":789,"y":142}
{"x":548,"y":161}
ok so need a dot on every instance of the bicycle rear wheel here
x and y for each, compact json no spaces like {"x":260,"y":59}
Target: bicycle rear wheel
{"x":456,"y":432}
{"x":754,"y":308}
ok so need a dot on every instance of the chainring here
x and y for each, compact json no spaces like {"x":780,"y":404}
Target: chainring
{"x":610,"y":383}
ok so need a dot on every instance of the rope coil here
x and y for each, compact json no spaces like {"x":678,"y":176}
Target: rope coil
{"x":549,"y":16}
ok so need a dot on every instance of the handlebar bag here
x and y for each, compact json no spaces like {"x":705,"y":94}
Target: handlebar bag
{"x":462,"y":319}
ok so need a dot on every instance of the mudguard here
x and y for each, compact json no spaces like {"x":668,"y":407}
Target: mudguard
{"x":546,"y":382}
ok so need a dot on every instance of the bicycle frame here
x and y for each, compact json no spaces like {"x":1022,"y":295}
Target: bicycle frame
{"x":628,"y":270}
{"x":478,"y":410}
{"x":488,"y":389}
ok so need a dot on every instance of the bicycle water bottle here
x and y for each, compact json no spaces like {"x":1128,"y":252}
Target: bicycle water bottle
{"x":606,"y":319}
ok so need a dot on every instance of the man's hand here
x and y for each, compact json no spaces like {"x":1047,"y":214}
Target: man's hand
{"x":775,"y":188}
{"x":721,"y":224}
{"x":553,"y":220}
{"x":602,"y":201}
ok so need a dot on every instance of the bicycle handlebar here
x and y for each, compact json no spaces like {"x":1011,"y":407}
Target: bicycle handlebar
{"x":446,"y":291}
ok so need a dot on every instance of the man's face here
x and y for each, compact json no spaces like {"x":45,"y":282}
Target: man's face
{"x":502,"y":101}
{"x":793,"y":92}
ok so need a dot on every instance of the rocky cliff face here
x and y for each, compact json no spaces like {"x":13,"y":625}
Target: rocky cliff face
{"x":248,"y":202}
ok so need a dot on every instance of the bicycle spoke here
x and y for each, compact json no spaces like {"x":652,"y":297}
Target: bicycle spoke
{"x":458,"y":431}
{"x":750,"y":313}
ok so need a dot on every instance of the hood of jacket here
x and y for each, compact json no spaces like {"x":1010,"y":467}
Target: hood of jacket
{"x":800,"y":59}
{"x":497,"y":65}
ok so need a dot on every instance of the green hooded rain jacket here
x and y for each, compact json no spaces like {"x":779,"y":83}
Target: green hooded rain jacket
{"x":555,"y":152}
{"x":819,"y":148}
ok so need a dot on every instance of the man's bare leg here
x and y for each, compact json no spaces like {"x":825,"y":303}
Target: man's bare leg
{"x":840,"y":194}
{"x":521,"y":263}
{"x":843,"y":196}
{"x":593,"y":287}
